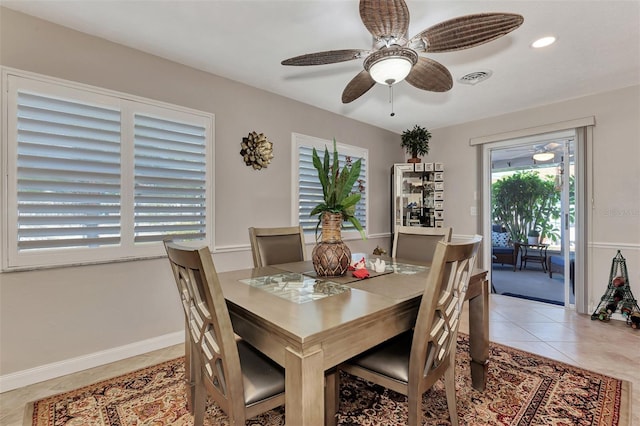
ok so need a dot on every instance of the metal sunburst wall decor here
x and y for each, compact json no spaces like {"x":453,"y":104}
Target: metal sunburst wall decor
{"x":256,"y":151}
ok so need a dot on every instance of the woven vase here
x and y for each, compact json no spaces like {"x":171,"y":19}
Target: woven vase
{"x":331,"y":256}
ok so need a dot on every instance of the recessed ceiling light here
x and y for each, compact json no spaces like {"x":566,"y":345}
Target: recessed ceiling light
{"x":543,"y":42}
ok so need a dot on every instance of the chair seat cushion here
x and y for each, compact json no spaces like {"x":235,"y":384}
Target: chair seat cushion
{"x":390,"y":358}
{"x":262,"y":378}
{"x":559,"y":260}
{"x":502,"y":250}
{"x":556,"y":260}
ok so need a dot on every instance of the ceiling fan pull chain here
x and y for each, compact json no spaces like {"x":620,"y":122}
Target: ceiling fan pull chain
{"x":391,"y":99}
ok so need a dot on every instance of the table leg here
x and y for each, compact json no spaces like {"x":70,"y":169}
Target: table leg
{"x":331,"y":396}
{"x":479,"y":336}
{"x":304,"y":388}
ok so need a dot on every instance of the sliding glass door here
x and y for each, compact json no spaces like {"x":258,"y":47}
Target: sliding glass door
{"x":532,"y":191}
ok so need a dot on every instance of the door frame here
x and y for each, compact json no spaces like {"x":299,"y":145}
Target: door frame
{"x":582,"y":128}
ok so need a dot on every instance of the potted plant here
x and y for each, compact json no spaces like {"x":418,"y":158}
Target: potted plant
{"x":416,"y":142}
{"x":331,"y":256}
{"x":525,"y":201}
{"x":533,"y":236}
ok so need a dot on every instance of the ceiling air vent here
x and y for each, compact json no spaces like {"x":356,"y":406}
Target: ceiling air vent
{"x":475,"y":77}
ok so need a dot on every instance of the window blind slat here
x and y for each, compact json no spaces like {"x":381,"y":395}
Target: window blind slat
{"x":164,"y":195}
{"x":46,"y":198}
{"x":42,"y":141}
{"x":68,"y":187}
{"x":43,"y":221}
{"x":177,"y":211}
{"x":51,"y":211}
{"x":162,"y":170}
{"x":153,"y":237}
{"x":67,"y":243}
{"x":82,"y":231}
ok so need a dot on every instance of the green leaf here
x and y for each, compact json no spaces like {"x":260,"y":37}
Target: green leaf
{"x":351,"y":178}
{"x":351,"y":200}
{"x":358,"y":226}
{"x":322,"y":207}
{"x":321,"y":176}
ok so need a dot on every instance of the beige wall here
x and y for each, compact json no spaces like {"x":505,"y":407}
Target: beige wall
{"x":74,"y":313}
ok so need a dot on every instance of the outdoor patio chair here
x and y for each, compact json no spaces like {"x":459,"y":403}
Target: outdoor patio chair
{"x":503,"y":250}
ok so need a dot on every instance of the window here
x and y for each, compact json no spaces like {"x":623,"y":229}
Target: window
{"x":307,"y":189}
{"x":96,"y":176}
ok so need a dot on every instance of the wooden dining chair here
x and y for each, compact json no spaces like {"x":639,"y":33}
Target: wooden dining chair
{"x":271,"y":246}
{"x":418,"y":243}
{"x":412,"y":362}
{"x":239,"y":378}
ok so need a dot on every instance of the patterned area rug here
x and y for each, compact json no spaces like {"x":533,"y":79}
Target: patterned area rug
{"x":522,"y":389}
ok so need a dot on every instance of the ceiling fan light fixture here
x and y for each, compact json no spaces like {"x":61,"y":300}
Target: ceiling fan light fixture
{"x":390,"y":70}
{"x":392,"y":65}
{"x":543,"y":156}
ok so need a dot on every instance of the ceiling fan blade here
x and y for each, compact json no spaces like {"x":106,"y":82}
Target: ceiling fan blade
{"x":357,"y":87}
{"x":328,"y":57}
{"x":430,"y":75}
{"x":385,"y":17}
{"x":466,"y":31}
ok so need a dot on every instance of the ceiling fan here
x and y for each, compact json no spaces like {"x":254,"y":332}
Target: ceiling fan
{"x":394,"y":56}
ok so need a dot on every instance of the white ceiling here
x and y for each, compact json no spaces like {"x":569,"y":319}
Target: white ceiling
{"x":598,"y":49}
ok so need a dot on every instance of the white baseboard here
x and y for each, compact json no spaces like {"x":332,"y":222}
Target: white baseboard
{"x":57,"y":369}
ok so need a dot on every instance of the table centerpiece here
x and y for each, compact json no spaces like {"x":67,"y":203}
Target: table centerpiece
{"x":331,"y":257}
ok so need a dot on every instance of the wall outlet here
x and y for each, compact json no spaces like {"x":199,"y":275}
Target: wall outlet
{"x":473,"y":211}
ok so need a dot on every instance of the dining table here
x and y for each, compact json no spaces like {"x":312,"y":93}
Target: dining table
{"x":309,"y":324}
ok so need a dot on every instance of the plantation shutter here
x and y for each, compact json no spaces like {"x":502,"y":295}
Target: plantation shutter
{"x":93,"y":176}
{"x":170,"y":179}
{"x":310,"y":190}
{"x":68,"y":173}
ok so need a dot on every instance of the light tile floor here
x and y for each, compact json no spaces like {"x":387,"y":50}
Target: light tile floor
{"x":610,"y":348}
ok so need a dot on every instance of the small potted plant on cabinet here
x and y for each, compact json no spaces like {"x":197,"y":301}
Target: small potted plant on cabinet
{"x":416,"y":142}
{"x":533,"y":236}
